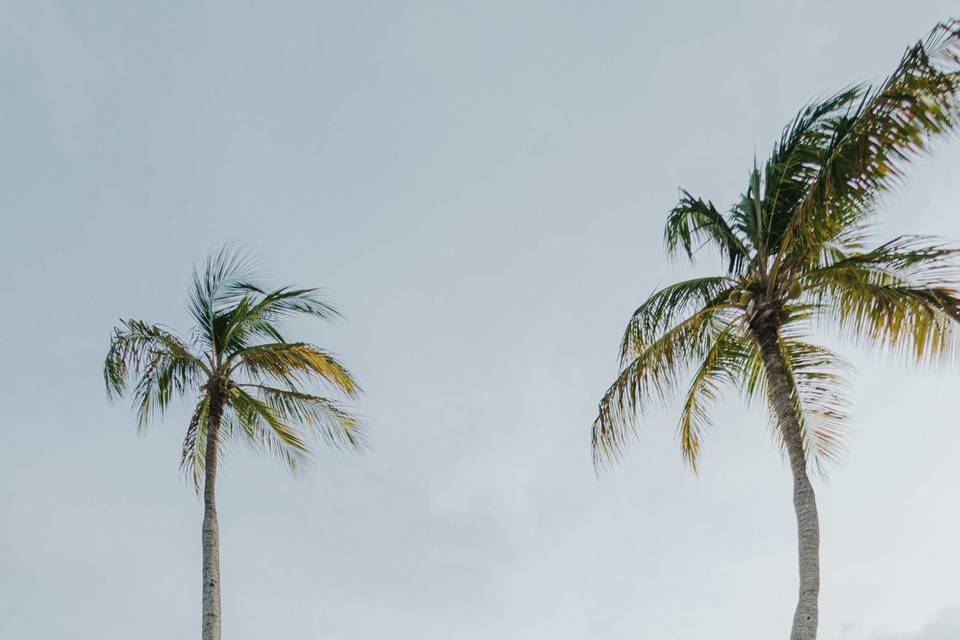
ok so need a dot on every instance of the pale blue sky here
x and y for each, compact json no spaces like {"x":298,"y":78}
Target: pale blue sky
{"x":481,"y":187}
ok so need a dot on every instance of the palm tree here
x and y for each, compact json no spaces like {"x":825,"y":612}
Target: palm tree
{"x":795,"y":257}
{"x":249,"y":382}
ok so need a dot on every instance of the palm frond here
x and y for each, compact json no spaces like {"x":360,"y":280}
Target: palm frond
{"x":214,"y":293}
{"x":817,"y":387}
{"x":266,"y":428}
{"x":664,"y":307}
{"x":894,"y":296}
{"x":767,"y":209}
{"x":872,"y":142}
{"x":327,"y":417}
{"x":694,"y":222}
{"x":257,"y":313}
{"x":651,"y":375}
{"x":916,"y":258}
{"x":726,"y":362}
{"x":193,"y":451}
{"x":292,"y":364}
{"x":155,"y":361}
{"x":288,"y":301}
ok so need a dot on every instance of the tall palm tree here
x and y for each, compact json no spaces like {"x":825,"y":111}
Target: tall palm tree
{"x":250,"y":384}
{"x":794,"y":257}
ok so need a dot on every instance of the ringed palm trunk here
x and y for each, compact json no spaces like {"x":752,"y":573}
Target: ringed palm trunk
{"x":211,"y":531}
{"x":805,"y":618}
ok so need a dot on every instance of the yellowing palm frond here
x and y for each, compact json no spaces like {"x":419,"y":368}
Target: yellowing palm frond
{"x":894,"y":296}
{"x":652,"y":374}
{"x":292,"y":363}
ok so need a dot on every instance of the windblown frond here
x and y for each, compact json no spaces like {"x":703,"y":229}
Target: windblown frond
{"x":815,"y":375}
{"x":258,"y":312}
{"x":214,"y":293}
{"x":793,"y":166}
{"x":874,"y":139}
{"x":156,"y":362}
{"x":652,"y":374}
{"x":291,"y":364}
{"x":666,"y":306}
{"x":894,"y":296}
{"x":694,"y":222}
{"x":727,"y":362}
{"x":327,"y":417}
{"x":267,"y":429}
{"x":194,"y":449}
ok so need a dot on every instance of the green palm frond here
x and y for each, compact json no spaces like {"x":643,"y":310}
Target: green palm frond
{"x":874,"y":139}
{"x":286,"y":302}
{"x":214,"y":293}
{"x":157,"y":364}
{"x":328,"y":418}
{"x":257,"y":313}
{"x":194,"y":449}
{"x":726,"y":363}
{"x":694,"y":222}
{"x":262,"y":426}
{"x":917,"y":258}
{"x":792,"y":167}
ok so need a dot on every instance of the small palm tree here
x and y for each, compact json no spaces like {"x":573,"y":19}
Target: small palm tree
{"x":794,"y":255}
{"x":249,"y":382}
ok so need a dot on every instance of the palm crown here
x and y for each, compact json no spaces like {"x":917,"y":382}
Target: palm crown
{"x":794,"y":250}
{"x":239,"y":365}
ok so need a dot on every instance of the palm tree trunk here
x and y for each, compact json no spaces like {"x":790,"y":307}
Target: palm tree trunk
{"x":804,"y":502}
{"x":211,"y":531}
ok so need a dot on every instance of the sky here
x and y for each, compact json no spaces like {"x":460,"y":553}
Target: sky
{"x":481,"y":188}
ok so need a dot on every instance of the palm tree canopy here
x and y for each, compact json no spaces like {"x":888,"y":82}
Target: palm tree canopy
{"x":271,"y":386}
{"x":794,"y":254}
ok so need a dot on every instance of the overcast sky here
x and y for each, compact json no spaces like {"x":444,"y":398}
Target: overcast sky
{"x":481,"y":187}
